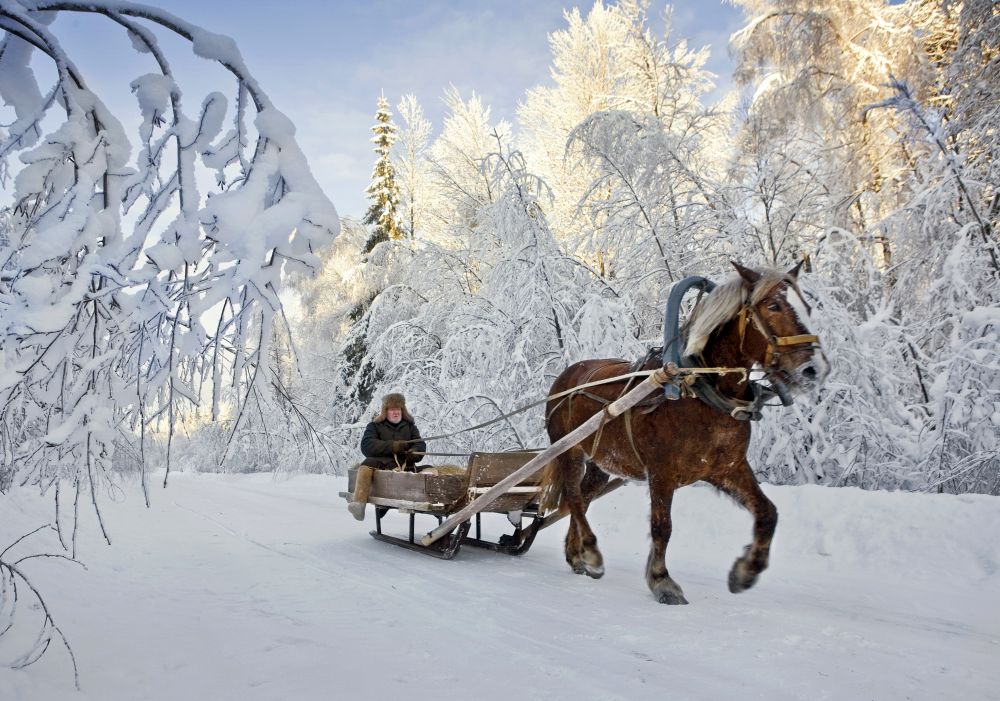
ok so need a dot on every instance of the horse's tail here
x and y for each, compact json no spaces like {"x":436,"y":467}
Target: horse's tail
{"x":551,"y":486}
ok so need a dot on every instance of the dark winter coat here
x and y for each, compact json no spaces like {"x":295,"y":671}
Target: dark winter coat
{"x":376,"y":444}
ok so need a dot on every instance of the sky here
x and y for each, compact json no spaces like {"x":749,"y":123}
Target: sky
{"x":324,"y":64}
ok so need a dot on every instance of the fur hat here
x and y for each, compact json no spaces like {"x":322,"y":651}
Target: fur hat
{"x":393,"y":401}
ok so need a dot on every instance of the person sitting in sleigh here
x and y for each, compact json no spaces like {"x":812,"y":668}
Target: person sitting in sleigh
{"x":390,"y":442}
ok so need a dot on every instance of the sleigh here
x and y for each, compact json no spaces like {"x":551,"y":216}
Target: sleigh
{"x":440,"y":495}
{"x":445,"y":495}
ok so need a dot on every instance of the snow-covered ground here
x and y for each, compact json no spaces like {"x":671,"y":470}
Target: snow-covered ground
{"x":251,"y":587}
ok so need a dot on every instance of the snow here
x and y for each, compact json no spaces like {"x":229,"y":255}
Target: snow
{"x":216,"y":47}
{"x":153,"y":91}
{"x":255,"y":587}
{"x":272,"y":124}
{"x":18,"y":86}
{"x":980,"y":317}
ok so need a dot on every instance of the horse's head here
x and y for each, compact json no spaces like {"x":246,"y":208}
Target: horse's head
{"x":775,"y":311}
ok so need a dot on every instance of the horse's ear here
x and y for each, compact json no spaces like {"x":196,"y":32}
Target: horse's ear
{"x":750,"y":276}
{"x":794,"y":272}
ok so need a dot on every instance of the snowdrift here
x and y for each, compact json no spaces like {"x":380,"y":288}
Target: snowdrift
{"x":256,"y":587}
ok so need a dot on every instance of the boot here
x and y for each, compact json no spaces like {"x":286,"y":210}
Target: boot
{"x":362,"y":488}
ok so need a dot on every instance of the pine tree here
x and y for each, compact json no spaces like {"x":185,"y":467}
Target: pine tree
{"x":384,"y":190}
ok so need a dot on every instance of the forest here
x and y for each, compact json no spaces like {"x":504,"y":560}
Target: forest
{"x":151,"y":321}
{"x":862,"y":141}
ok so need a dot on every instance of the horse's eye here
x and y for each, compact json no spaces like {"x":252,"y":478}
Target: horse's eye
{"x":774,"y":307}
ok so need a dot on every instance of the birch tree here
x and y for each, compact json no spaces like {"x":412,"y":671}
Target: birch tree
{"x":458,"y":182}
{"x":624,"y":140}
{"x":816,"y":67}
{"x":128,"y":292}
{"x":412,"y":164}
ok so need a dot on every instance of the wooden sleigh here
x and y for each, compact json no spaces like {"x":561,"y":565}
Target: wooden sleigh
{"x":444,"y":495}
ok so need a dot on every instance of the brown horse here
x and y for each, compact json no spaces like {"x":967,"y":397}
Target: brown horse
{"x":757,"y":319}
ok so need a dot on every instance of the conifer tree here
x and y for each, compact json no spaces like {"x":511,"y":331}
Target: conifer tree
{"x":384,"y":189}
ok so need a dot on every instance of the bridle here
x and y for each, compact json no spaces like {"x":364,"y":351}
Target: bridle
{"x":777,"y":346}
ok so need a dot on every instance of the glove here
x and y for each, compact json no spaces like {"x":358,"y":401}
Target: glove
{"x":398,"y":447}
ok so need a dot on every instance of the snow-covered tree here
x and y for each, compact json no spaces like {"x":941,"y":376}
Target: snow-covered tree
{"x":816,"y":67}
{"x":383,"y":214}
{"x":412,"y":165}
{"x":610,"y":61}
{"x":632,"y":155}
{"x":974,"y":109}
{"x":125,"y":287}
{"x":779,"y":199}
{"x":129,"y":294}
{"x":458,"y":183}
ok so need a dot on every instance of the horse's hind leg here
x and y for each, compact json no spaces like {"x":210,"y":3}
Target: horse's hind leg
{"x":665,"y":589}
{"x":581,"y":543}
{"x":593,"y":481}
{"x":743,"y":487}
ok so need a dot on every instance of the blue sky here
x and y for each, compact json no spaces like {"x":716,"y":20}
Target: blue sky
{"x":325,"y":63}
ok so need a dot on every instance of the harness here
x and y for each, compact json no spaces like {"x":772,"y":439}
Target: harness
{"x":704,"y":389}
{"x":646,"y":405}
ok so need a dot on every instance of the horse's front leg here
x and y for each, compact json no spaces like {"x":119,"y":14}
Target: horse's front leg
{"x":743,"y":487}
{"x":665,"y":589}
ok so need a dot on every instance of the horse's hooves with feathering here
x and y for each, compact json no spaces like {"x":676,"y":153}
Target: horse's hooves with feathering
{"x":742,"y":576}
{"x":668,"y":592}
{"x":591,"y":566}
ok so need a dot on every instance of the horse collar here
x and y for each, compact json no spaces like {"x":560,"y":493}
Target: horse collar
{"x":705,"y":390}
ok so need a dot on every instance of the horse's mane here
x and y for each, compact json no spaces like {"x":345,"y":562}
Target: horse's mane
{"x":724,"y":303}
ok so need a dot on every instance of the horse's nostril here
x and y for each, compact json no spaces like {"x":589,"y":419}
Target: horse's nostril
{"x":809,"y":371}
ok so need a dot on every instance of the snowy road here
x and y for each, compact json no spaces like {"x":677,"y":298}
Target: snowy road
{"x":246,"y":587}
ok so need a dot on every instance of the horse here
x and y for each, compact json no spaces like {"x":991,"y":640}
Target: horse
{"x":756,"y":319}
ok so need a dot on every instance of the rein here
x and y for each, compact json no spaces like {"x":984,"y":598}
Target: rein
{"x":674,"y":375}
{"x":522,"y":409}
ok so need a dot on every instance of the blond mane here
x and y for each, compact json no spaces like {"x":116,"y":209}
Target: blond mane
{"x":724,"y":303}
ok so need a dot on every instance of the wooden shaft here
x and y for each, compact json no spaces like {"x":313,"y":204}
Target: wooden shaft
{"x":616,"y":408}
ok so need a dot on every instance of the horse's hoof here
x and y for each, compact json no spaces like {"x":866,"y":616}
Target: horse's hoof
{"x":740,"y":578}
{"x":581,"y":567}
{"x":668,"y":592}
{"x":672,"y":598}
